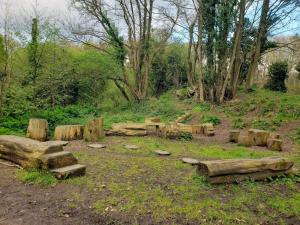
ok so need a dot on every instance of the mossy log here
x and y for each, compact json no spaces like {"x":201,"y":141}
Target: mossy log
{"x":227,"y":171}
{"x":37,"y":129}
{"x":26,"y":152}
{"x":93,"y":130}
{"x":68,"y":132}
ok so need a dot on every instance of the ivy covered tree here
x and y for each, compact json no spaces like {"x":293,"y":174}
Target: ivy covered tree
{"x":278,"y":73}
{"x":33,"y":53}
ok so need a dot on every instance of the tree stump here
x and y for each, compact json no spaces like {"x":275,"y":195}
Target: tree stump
{"x":68,"y":132}
{"x":93,"y":130}
{"x":37,"y":129}
{"x":258,"y":137}
{"x":275,"y":144}
{"x":208,"y":129}
{"x":244,"y":140}
{"x":234,"y":136}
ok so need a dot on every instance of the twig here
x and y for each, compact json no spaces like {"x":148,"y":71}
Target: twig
{"x":11,"y":165}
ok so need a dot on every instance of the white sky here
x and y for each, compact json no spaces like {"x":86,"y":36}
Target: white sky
{"x":58,"y":9}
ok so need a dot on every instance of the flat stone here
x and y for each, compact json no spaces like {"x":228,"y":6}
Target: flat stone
{"x":190,"y":161}
{"x":97,"y":146}
{"x":132,"y":147}
{"x":163,"y":153}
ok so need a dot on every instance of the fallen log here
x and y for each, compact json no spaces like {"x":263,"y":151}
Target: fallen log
{"x":237,"y":178}
{"x":243,"y":166}
{"x":68,"y":132}
{"x":37,"y":129}
{"x":234,"y":136}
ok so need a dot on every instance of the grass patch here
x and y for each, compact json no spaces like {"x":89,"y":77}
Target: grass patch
{"x":36,"y":177}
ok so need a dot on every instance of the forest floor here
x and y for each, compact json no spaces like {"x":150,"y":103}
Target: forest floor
{"x":124,"y":186}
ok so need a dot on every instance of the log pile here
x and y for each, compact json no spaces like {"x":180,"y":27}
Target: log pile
{"x":30,"y":153}
{"x":237,"y":170}
{"x":257,"y":137}
{"x":93,"y":130}
{"x":37,"y":129}
{"x":68,"y":132}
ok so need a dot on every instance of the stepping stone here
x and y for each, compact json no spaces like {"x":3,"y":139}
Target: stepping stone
{"x":162,"y":153}
{"x":190,"y":161}
{"x":69,"y":171}
{"x":132,"y":147}
{"x":97,"y":146}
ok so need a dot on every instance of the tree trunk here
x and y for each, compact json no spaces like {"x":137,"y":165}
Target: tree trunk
{"x":262,"y":30}
{"x":200,"y":51}
{"x":93,"y":130}
{"x":68,"y":132}
{"x":237,"y":43}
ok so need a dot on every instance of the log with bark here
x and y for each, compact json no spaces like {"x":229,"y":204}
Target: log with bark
{"x":236,"y":170}
{"x":37,"y":129}
{"x":68,"y":132}
{"x":93,"y":130}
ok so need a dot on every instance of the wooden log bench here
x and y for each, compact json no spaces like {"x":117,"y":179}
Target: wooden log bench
{"x":40,"y":155}
{"x":236,"y":170}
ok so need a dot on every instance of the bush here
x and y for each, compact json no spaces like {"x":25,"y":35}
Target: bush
{"x":278,"y":72}
{"x":211,"y":119}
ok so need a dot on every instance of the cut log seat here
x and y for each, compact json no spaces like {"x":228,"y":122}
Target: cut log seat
{"x":68,"y":132}
{"x":40,"y":155}
{"x":227,"y":171}
{"x":25,"y":151}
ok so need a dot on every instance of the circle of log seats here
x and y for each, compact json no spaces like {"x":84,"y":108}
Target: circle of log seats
{"x":68,"y":132}
{"x":37,"y":129}
{"x":93,"y":130}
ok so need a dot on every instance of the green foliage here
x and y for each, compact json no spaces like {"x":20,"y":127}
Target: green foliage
{"x":185,"y":136}
{"x":36,"y":177}
{"x":278,"y":73}
{"x":168,"y":69}
{"x":238,"y":123}
{"x":211,"y":119}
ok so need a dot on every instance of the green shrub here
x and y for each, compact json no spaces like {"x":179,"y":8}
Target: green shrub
{"x":238,"y":123}
{"x":185,"y":136}
{"x":211,"y":119}
{"x":278,"y":73}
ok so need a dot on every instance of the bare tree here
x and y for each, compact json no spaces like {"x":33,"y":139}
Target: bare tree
{"x":133,"y":38}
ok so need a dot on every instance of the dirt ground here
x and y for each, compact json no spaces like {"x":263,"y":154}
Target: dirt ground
{"x":27,"y":204}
